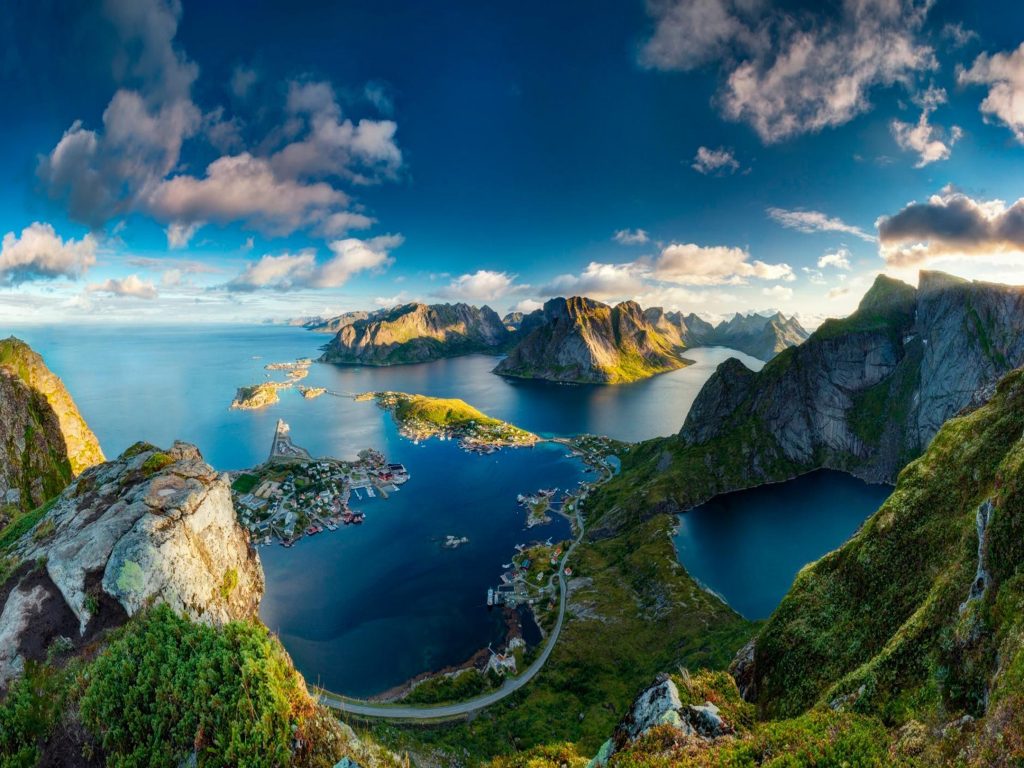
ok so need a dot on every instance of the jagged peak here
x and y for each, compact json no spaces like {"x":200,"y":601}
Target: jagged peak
{"x":887,"y":292}
{"x":929,"y":280}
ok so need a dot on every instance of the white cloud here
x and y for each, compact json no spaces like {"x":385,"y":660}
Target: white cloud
{"x":599,"y":281}
{"x":631,"y":236}
{"x":839,"y":259}
{"x":778,"y":292}
{"x":930,"y":142}
{"x":294,"y":271}
{"x":286,"y":182}
{"x":835,"y":293}
{"x":708,"y":161}
{"x":244,"y":188}
{"x":951,"y":224}
{"x":39,"y":253}
{"x":480,"y":286}
{"x":1003,"y":73}
{"x":691,"y":264}
{"x":787,"y":74}
{"x":526,"y":306}
{"x":816,"y":221}
{"x":130,"y":286}
{"x":179,"y":235}
{"x":242,"y":80}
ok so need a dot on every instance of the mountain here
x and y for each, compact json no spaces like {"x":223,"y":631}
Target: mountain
{"x":757,"y":335}
{"x":415,"y":333}
{"x":904,"y":647}
{"x":44,"y":441}
{"x":584,"y":341}
{"x":336,"y":323}
{"x":864,"y":394}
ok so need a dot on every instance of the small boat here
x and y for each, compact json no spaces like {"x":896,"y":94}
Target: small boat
{"x":490,"y":597}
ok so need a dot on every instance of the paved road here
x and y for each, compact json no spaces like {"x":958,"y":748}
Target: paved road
{"x":441,"y":711}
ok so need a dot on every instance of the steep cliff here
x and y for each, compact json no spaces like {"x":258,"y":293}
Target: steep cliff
{"x":415,"y":333}
{"x":151,"y":526}
{"x":44,"y":441}
{"x":863,"y":394}
{"x":584,"y":341}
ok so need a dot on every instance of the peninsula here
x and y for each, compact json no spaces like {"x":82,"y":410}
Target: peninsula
{"x":420,"y":417}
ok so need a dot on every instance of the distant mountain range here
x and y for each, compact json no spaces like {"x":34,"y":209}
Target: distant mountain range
{"x":570,"y":340}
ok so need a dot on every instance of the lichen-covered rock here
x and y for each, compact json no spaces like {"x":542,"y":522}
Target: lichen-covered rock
{"x":151,"y":526}
{"x":44,"y":441}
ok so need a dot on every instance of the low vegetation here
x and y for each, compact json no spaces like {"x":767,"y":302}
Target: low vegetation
{"x":422,"y":417}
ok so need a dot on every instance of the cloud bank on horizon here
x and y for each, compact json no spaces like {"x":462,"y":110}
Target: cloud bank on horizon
{"x":757,"y":157}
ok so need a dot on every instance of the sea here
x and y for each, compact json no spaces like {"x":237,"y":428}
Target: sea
{"x":366,"y":608}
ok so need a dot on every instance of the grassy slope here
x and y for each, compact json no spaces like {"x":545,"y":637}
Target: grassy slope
{"x":880,"y":618}
{"x":441,"y":413}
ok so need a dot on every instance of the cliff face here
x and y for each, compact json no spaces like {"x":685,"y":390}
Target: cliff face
{"x":44,"y":441}
{"x":868,"y":393}
{"x":151,"y":526}
{"x":585,"y":341}
{"x":415,"y":333}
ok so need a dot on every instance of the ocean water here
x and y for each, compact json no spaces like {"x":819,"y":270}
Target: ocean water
{"x":367,"y":607}
{"x":748,"y":546}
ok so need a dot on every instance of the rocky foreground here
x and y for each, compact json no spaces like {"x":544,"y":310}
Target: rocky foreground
{"x":151,"y":526}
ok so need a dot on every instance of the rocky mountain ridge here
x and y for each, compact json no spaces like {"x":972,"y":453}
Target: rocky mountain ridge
{"x":761,"y":336}
{"x":585,"y":341}
{"x":414,"y":333}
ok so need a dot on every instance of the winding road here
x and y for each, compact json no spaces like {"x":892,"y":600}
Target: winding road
{"x":444,"y":711}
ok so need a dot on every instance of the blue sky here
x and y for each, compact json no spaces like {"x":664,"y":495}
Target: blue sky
{"x":234,"y":162}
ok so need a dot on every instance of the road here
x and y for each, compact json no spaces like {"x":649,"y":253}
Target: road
{"x":442,"y":711}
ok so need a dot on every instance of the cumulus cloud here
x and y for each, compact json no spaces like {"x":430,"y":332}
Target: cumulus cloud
{"x":631,"y":237}
{"x":294,"y":271}
{"x":720,"y":160}
{"x":526,"y":306}
{"x":816,"y":221}
{"x":787,"y":74}
{"x":39,"y":253}
{"x":691,"y":264}
{"x":778,"y":292}
{"x":289,"y":181}
{"x":835,"y":293}
{"x":600,"y":281}
{"x":482,"y":285}
{"x":130,"y":286}
{"x":951,"y":224}
{"x":839,"y":259}
{"x":1003,"y":73}
{"x":930,"y":142}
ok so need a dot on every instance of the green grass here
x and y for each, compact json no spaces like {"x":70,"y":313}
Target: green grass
{"x":245,"y":483}
{"x":22,"y":524}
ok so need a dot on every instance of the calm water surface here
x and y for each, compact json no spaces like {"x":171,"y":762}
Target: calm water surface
{"x":364,"y":608}
{"x":747,"y":546}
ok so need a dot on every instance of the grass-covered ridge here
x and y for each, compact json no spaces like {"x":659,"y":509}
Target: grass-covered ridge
{"x":421,"y":417}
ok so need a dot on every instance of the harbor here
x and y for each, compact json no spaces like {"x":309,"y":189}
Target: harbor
{"x":293,"y":495}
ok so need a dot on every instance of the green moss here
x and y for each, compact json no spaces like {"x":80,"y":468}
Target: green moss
{"x":155,"y":463}
{"x":229,"y":583}
{"x":44,"y":530}
{"x":22,"y":524}
{"x":140,"y":447}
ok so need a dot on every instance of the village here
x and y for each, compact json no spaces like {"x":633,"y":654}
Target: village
{"x":293,"y":495}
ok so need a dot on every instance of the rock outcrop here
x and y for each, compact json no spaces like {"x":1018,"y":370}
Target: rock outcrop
{"x":151,"y":526}
{"x":44,"y":441}
{"x":334,"y":324}
{"x":584,"y":341}
{"x":416,"y":333}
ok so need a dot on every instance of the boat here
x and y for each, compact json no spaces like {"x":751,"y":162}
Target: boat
{"x":490,"y":597}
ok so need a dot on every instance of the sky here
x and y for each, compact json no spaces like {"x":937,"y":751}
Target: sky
{"x":165,"y":161}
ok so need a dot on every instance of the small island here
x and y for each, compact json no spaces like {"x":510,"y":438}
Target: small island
{"x":257,"y":396}
{"x":420,"y":417}
{"x":311,"y":393}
